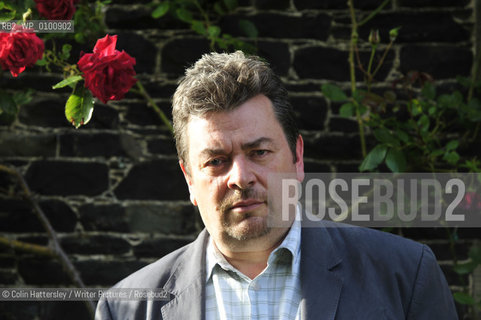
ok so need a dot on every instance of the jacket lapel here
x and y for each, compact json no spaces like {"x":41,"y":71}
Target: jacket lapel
{"x":321,"y":286}
{"x":187,"y":284}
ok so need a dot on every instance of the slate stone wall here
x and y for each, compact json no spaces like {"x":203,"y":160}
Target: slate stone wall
{"x":113,"y":190}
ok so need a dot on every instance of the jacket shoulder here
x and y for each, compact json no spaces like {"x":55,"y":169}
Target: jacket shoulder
{"x":375,"y":242}
{"x":156,"y":274}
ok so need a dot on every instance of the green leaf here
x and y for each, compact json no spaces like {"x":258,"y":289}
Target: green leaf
{"x":475,"y":103}
{"x":416,"y":107}
{"x":245,"y":47}
{"x":199,"y":27}
{"x":359,"y":95}
{"x":66,"y":48}
{"x":218,"y":9}
{"x":67,"y":82}
{"x":452,"y":157}
{"x":248,"y":28}
{"x":222,"y":44}
{"x":8,"y":12}
{"x":6,"y":16}
{"x":8,"y":6}
{"x":423,"y":123}
{"x":474,"y":110}
{"x":213,"y":31}
{"x":79,"y":37}
{"x":79,"y":107}
{"x":362,"y":109}
{"x":184,"y":15}
{"x":347,"y":110}
{"x":429,"y":91}
{"x":230,"y":4}
{"x":333,"y":92}
{"x":432,"y":110}
{"x":41,"y":62}
{"x":385,"y":136}
{"x":395,"y":160}
{"x":452,"y":145}
{"x":464,"y":81}
{"x":464,"y":298}
{"x":403,"y":136}
{"x":161,"y":10}
{"x":475,"y":254}
{"x":444,"y":100}
{"x":473,"y":166}
{"x":7,"y":104}
{"x":450,"y":101}
{"x":458,"y":97}
{"x":374,"y":158}
{"x":437,"y":153}
{"x":23,"y":97}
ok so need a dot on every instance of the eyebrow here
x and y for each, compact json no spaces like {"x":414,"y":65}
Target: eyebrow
{"x":256,"y":143}
{"x":245,"y":146}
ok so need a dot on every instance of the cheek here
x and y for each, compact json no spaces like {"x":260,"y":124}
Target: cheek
{"x":209,"y":192}
{"x":209,"y":195}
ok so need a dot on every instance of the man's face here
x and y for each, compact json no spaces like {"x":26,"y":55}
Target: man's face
{"x":230,"y":155}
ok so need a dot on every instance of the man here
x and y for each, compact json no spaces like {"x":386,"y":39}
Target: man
{"x":233,"y":128}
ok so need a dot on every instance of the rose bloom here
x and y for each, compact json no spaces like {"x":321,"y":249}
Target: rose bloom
{"x":19,"y":49}
{"x":108,"y":73}
{"x":471,"y":201}
{"x":56,"y":9}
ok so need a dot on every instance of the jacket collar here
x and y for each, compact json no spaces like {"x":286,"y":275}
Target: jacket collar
{"x":321,"y":286}
{"x":319,"y":260}
{"x":187,"y":283}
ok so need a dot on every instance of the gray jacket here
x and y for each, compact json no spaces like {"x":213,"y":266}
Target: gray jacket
{"x":346,"y":273}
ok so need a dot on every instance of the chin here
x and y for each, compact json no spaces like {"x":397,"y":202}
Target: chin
{"x":248,"y":229}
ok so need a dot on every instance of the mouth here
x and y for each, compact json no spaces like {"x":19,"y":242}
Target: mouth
{"x":246,"y":206}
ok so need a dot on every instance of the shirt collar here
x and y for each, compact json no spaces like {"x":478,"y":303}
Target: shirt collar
{"x":292,"y":243}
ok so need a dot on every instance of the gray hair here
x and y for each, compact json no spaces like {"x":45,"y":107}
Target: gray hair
{"x":221,"y":82}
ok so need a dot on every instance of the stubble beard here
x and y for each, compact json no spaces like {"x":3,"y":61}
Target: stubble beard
{"x":234,"y":230}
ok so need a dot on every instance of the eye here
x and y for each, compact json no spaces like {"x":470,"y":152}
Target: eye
{"x":216,"y":162}
{"x":260,"y":153}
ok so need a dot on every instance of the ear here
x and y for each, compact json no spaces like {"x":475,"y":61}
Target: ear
{"x":189,"y":181}
{"x":300,"y":158}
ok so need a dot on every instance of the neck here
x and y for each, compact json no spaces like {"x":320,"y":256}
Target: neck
{"x":249,"y":262}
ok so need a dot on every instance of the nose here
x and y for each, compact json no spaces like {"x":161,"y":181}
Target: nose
{"x":241,"y":174}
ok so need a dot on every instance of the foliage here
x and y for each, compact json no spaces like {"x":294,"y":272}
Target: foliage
{"x":428,"y":128}
{"x":465,"y":268}
{"x":203,"y":18}
{"x":416,"y":126}
{"x":103,"y":69}
{"x":88,"y":24}
{"x":88,"y":18}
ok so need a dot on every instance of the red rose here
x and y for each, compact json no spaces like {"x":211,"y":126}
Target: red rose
{"x":56,"y":9}
{"x":19,"y":48}
{"x":108,"y":73}
{"x":471,"y":201}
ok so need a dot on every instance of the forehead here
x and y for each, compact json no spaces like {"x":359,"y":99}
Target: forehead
{"x":253,"y":119}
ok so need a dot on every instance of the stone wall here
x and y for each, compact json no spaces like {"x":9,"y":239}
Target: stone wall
{"x":113,"y":189}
